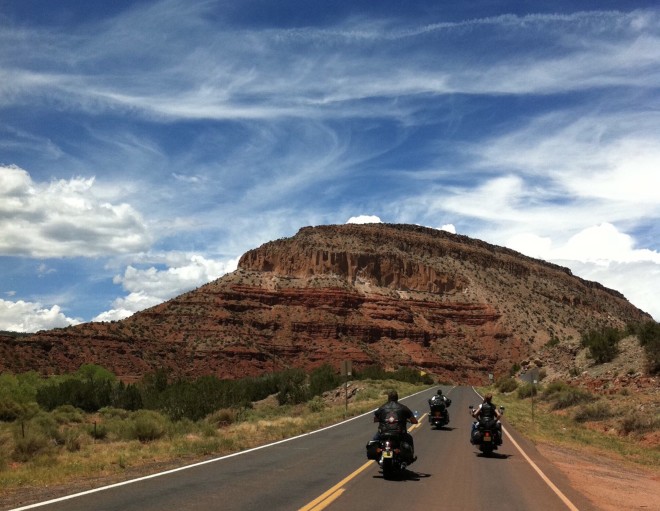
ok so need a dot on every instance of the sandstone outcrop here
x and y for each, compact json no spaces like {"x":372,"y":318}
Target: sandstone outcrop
{"x":393,"y":295}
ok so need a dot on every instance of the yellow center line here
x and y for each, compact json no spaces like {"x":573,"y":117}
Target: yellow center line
{"x":329,"y":496}
{"x":324,"y":500}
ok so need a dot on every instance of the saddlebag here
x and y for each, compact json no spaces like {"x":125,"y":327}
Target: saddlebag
{"x":372,"y":450}
{"x":406,"y":452}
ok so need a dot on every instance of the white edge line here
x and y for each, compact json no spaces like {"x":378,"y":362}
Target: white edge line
{"x":545,"y":478}
{"x":185,"y":467}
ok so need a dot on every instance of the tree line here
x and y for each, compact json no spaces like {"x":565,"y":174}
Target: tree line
{"x":93,"y":387}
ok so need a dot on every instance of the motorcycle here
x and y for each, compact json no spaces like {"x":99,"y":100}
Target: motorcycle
{"x":391,"y":453}
{"x":486,"y":434}
{"x":438,"y":416}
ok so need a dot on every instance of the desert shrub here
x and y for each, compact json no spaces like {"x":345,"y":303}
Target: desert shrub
{"x":553,"y":388}
{"x":46,"y":423}
{"x":507,"y":385}
{"x":67,"y":414}
{"x":323,"y":378}
{"x":97,"y":431}
{"x":570,"y":396}
{"x":221,"y":418}
{"x":110,"y":412}
{"x":554,"y":341}
{"x":603,"y":345}
{"x":514,"y":369}
{"x":406,"y":374}
{"x":292,"y":388}
{"x":372,"y":372}
{"x":639,"y":422}
{"x":10,"y":410}
{"x":73,"y":439}
{"x":649,"y":337}
{"x":527,"y":390}
{"x":316,"y":404}
{"x":597,"y":411}
{"x":148,"y":425}
{"x":30,"y":440}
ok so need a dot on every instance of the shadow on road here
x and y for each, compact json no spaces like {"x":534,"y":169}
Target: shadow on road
{"x":444,"y":428}
{"x":494,"y":455}
{"x":406,"y":475}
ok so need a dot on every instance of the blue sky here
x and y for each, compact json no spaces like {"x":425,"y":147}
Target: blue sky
{"x":146,"y":145}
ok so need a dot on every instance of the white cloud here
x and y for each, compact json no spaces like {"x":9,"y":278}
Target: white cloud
{"x":364,"y":219}
{"x":449,"y":228}
{"x":23,"y":316}
{"x":151,"y":286}
{"x":64,"y":218}
{"x":637,"y":281}
{"x":603,"y":254}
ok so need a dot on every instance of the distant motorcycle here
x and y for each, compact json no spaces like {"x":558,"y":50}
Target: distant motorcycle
{"x":486,"y":434}
{"x":439,"y":415}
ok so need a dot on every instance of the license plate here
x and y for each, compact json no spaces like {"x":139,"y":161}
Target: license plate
{"x":387,"y":454}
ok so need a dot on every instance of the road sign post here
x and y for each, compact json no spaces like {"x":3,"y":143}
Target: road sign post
{"x":346,"y":370}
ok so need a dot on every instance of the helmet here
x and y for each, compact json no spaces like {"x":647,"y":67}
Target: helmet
{"x":439,"y":392}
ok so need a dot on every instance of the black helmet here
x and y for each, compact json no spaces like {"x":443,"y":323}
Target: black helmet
{"x":439,"y":392}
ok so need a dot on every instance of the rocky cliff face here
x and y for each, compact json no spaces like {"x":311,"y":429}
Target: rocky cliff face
{"x":394,"y":295}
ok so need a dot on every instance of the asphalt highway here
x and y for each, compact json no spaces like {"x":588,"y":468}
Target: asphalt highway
{"x":328,"y":469}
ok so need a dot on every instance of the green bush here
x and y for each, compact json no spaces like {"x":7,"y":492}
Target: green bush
{"x":222,"y":418}
{"x":28,"y":446}
{"x":603,"y":345}
{"x":66,"y":414}
{"x":649,"y":337}
{"x":148,"y":425}
{"x":507,"y":385}
{"x":73,"y":439}
{"x":316,"y":404}
{"x":553,"y":388}
{"x":597,"y":411}
{"x":97,"y":431}
{"x":527,"y":390}
{"x":322,"y":379}
{"x":639,"y":422}
{"x":570,"y":397}
{"x":10,"y":410}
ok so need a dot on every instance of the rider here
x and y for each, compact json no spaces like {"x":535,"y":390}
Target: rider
{"x":439,"y":398}
{"x":487,"y":412}
{"x":403,"y":415}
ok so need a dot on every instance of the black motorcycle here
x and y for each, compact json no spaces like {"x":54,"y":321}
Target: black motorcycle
{"x":438,"y":415}
{"x":486,"y":433}
{"x":391,"y":453}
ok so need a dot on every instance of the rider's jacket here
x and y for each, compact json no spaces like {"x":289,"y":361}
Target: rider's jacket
{"x":392,"y":417}
{"x":487,"y":411}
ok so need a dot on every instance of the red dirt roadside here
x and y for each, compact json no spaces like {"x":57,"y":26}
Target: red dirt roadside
{"x":610,"y":484}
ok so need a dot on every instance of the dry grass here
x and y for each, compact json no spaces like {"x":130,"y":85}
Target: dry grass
{"x":559,"y":427}
{"x":113,"y":459}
